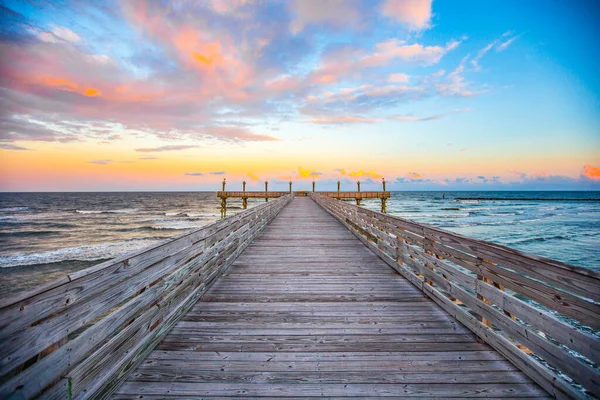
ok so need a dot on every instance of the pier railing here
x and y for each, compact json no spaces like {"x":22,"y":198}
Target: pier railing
{"x":541,"y":314}
{"x":79,"y":336}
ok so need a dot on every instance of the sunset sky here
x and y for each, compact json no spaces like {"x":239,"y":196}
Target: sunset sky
{"x":177,"y":95}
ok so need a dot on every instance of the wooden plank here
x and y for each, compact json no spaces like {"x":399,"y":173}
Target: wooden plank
{"x":319,"y":390}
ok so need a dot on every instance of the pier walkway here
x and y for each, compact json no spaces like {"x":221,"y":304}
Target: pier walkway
{"x":308,"y":310}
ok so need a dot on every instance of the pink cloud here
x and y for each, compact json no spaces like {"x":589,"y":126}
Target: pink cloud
{"x":391,"y":49}
{"x":414,"y":14}
{"x":399,"y":78}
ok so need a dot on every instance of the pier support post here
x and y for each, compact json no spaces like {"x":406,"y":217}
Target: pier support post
{"x":223,"y":184}
{"x":358,"y":201}
{"x":358,"y":183}
{"x":290,"y":186}
{"x":244,"y":203}
{"x":244,"y":186}
{"x":383,"y":182}
{"x":313,"y":186}
{"x":384,"y":206}
{"x":223,"y":205}
{"x":266,"y":190}
{"x":338,"y":186}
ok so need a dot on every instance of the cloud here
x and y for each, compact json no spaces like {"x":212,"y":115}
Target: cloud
{"x":8,"y":146}
{"x":100,"y":162}
{"x":253,"y":177}
{"x":343,"y":120}
{"x":413,"y":14}
{"x":591,"y":172}
{"x":454,"y":84}
{"x":306,"y":173}
{"x":412,"y":118}
{"x":59,"y":33}
{"x":497,"y":44}
{"x":341,"y":171}
{"x":414,"y":175}
{"x":504,"y":45}
{"x":218,"y":173}
{"x":336,"y":13}
{"x":194,"y":174}
{"x":399,"y":78}
{"x":481,"y":53}
{"x":362,"y":173}
{"x":165,"y":148}
{"x":149,"y":158}
{"x":392,"y":49}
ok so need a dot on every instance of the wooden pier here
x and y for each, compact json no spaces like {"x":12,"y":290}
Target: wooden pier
{"x":296,"y":298}
{"x":245,"y":195}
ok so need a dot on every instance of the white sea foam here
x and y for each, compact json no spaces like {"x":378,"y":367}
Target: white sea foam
{"x":123,"y":211}
{"x":83,"y":253}
{"x":196,"y":215}
{"x":176,"y":224}
{"x":8,"y":209}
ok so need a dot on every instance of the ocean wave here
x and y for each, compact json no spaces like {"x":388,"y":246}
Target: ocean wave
{"x":28,"y":233}
{"x":92,"y":252}
{"x":10,"y":209}
{"x":173,"y":214}
{"x":196,"y":215}
{"x":123,"y":211}
{"x":541,"y":239}
{"x":148,"y":228}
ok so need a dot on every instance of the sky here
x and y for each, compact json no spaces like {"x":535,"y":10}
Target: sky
{"x":178,"y":95}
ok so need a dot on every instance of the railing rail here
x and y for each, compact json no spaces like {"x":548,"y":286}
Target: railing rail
{"x":79,"y":336}
{"x":541,"y":314}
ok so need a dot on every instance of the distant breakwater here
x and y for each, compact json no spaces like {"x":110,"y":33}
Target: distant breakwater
{"x":520,"y":199}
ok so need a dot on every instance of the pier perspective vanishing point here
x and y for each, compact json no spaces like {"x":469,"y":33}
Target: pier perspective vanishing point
{"x":308,"y":295}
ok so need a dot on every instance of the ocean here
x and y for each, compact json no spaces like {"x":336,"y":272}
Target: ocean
{"x":44,"y":235}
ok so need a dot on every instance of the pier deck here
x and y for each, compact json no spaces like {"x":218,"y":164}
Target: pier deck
{"x":308,"y":310}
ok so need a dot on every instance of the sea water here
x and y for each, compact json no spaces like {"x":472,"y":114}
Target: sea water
{"x":44,"y":235}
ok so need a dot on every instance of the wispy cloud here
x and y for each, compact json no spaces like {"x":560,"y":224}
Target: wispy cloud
{"x":343,"y":120}
{"x":8,"y":146}
{"x":504,"y":45}
{"x":218,"y":173}
{"x":362,"y":173}
{"x":165,"y":148}
{"x":253,"y":177}
{"x":194,"y":174}
{"x":100,"y":162}
{"x":413,"y":118}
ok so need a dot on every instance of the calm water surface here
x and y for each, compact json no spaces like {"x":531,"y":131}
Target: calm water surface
{"x":44,"y":235}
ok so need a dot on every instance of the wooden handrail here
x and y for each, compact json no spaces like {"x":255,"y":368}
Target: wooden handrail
{"x":80,"y":335}
{"x":520,"y":304}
